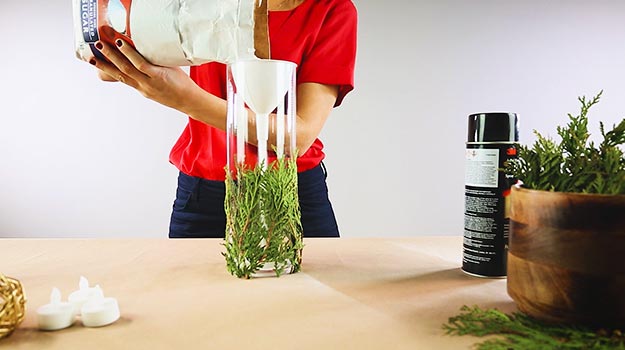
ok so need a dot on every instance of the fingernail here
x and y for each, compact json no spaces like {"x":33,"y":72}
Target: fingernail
{"x":92,"y":61}
{"x":119,"y":42}
{"x":99,"y":46}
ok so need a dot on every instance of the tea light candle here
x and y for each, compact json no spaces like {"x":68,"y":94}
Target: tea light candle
{"x":55,"y":315}
{"x":83,"y":294}
{"x":100,"y":311}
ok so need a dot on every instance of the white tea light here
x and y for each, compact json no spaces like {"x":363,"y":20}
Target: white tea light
{"x":55,"y":315}
{"x":100,"y":311}
{"x":84,"y":294}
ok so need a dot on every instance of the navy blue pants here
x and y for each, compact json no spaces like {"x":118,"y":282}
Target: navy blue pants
{"x":198,"y":210}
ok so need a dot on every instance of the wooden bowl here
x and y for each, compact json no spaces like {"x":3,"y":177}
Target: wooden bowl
{"x":566,"y":258}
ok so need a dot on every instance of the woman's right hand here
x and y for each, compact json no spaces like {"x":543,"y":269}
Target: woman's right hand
{"x":105,"y":77}
{"x":169,"y":86}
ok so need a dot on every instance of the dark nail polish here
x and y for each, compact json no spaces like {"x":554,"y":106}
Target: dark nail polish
{"x":119,"y":42}
{"x":92,"y":61}
{"x":99,"y":45}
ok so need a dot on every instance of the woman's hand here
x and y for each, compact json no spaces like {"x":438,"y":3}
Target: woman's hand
{"x":166,"y":85}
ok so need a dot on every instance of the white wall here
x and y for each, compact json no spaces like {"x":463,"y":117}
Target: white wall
{"x":84,"y":158}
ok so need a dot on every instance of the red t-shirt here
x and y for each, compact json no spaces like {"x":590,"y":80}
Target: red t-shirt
{"x":318,"y":35}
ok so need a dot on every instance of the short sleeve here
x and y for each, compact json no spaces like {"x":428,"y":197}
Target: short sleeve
{"x":332,"y":55}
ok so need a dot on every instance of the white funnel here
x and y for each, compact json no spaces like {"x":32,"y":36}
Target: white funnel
{"x":263,"y":84}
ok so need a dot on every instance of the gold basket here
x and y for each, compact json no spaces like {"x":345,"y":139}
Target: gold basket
{"x":12,"y":305}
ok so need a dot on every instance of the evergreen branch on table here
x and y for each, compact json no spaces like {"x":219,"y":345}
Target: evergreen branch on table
{"x":575,"y":164}
{"x":263,"y":223}
{"x":521,"y":332}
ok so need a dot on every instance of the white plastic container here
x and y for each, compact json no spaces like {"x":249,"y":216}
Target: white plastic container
{"x":168,"y":32}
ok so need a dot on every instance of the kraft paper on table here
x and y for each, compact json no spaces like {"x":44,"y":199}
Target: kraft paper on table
{"x":365,"y":293}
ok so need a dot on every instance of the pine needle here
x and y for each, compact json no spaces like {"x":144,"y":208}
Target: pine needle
{"x":518,"y":331}
{"x":575,"y":164}
{"x":263,"y":222}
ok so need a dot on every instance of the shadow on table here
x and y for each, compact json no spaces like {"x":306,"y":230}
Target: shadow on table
{"x":435,"y":293}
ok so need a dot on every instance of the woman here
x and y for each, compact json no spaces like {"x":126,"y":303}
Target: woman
{"x":320,"y":37}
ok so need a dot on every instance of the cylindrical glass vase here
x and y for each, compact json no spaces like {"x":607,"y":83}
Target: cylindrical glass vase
{"x":263,"y":221}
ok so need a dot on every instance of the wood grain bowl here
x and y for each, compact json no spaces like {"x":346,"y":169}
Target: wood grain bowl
{"x":566,"y":258}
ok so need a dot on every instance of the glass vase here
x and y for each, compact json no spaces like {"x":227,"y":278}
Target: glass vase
{"x":263,"y":221}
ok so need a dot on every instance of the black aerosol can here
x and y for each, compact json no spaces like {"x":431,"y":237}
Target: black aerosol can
{"x":492,"y":140}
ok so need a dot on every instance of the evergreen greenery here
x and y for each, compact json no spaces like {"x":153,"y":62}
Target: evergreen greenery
{"x":521,"y":332}
{"x":575,"y":164}
{"x":263,"y":224}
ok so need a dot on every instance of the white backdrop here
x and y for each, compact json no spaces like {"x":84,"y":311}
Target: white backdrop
{"x":83,"y":158}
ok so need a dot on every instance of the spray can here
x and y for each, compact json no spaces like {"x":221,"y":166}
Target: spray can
{"x":492,"y":140}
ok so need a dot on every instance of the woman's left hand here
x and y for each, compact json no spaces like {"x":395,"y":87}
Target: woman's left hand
{"x":166,"y":85}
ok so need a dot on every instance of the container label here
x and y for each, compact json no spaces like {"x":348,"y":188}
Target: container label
{"x":482,"y":167}
{"x":486,"y":223}
{"x":89,"y":20}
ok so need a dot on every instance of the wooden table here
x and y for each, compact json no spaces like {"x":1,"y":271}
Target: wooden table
{"x":352,"y":293}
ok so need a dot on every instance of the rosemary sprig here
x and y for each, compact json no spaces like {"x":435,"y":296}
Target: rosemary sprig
{"x":263,"y":221}
{"x":575,"y":164}
{"x":518,"y":331}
